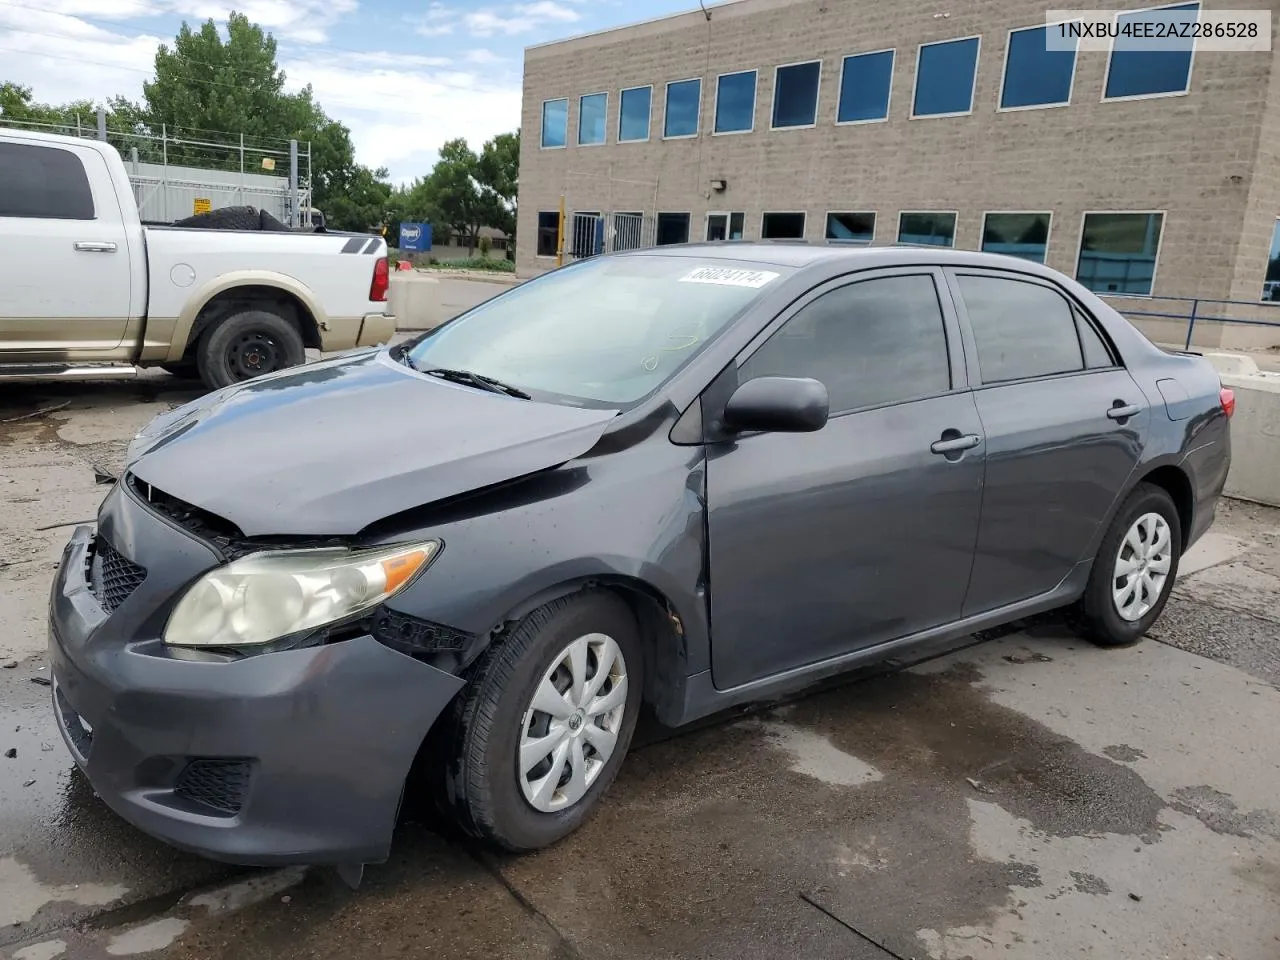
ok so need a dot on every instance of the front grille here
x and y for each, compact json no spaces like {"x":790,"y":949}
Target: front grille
{"x":218,"y":785}
{"x":112,"y":576}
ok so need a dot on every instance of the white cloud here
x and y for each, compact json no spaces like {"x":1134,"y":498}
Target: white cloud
{"x":305,"y":21}
{"x":483,"y":56}
{"x":505,"y":21}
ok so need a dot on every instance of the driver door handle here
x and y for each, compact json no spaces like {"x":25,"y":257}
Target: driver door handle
{"x":95,"y":246}
{"x":1123,"y":411}
{"x":954,"y":444}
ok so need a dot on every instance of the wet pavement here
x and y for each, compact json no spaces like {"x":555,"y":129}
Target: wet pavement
{"x":1028,"y":796}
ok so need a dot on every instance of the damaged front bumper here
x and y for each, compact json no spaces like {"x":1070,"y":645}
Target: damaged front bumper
{"x":297,"y":756}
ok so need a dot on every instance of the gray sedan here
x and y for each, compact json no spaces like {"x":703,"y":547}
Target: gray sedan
{"x":688,"y":477}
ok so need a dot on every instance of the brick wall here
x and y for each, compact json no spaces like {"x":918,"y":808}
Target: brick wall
{"x":1177,"y":154}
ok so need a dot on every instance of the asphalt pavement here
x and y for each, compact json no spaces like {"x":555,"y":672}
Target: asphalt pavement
{"x":1026,"y":796}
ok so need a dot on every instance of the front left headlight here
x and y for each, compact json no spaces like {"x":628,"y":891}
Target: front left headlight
{"x":266,"y":596}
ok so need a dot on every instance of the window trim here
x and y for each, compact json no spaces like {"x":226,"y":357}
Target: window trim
{"x":649,"y":127}
{"x":875,"y":224}
{"x":804,"y":229}
{"x":1078,"y":314}
{"x":1004,"y":71}
{"x":888,"y":104}
{"x":973,"y":88}
{"x":666,"y":100}
{"x":773,"y":99}
{"x":1048,"y":233}
{"x":952,"y":328}
{"x":542,"y":124}
{"x":1266,"y":262}
{"x":755,"y":103}
{"x":537,"y":230}
{"x":956,"y":229}
{"x":578,"y":138}
{"x":1111,"y":52}
{"x":1155,"y":267}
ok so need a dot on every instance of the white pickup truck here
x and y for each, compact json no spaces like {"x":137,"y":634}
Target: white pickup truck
{"x":88,"y":292}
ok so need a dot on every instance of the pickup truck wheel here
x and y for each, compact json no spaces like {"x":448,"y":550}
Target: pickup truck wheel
{"x":544,"y":725}
{"x":248,"y":344}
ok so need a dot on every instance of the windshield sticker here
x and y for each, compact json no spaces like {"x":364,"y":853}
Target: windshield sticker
{"x":730,"y":277}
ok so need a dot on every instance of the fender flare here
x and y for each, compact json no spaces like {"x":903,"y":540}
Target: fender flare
{"x":229,"y":281}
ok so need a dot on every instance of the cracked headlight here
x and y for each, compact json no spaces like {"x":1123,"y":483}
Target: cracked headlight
{"x":270,"y":595}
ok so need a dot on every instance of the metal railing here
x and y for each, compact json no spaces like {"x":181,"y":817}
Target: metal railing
{"x":1196,"y":314}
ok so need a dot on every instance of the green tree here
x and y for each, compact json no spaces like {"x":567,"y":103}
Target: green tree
{"x":498,"y":173}
{"x":17,"y":106}
{"x":450,"y":195}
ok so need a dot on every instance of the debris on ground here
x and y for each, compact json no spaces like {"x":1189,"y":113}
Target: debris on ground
{"x":43,"y":681}
{"x":1136,"y":898}
{"x":29,"y":782}
{"x":38,"y":413}
{"x":977,"y":785}
{"x":10,"y":665}
{"x":1033,"y":658}
{"x":11,"y":753}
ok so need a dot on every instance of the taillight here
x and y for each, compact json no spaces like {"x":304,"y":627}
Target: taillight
{"x":1227,"y":397}
{"x":381,"y":280}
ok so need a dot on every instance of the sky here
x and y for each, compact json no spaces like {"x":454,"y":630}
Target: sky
{"x":403,"y":75}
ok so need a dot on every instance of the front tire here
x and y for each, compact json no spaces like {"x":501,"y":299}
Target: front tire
{"x":546,"y":721}
{"x":248,"y":344}
{"x":1134,"y":570}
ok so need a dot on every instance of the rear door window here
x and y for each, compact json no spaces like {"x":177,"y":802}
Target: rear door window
{"x":1022,"y":329}
{"x":43,"y":182}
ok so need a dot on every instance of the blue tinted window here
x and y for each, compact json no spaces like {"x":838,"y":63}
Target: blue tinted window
{"x":936,"y":229}
{"x":555,"y":121}
{"x":1271,"y":282}
{"x":944,"y":77}
{"x":851,"y":227}
{"x":683,"y":102}
{"x":1023,"y":235}
{"x":864,"y":87}
{"x":735,"y":102}
{"x":633,"y":114}
{"x":1118,"y":252}
{"x":1135,"y":72}
{"x":1035,"y":76}
{"x":795,"y":95}
{"x":591,"y":110}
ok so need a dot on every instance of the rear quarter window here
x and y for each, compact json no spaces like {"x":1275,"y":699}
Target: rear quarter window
{"x":43,"y":183}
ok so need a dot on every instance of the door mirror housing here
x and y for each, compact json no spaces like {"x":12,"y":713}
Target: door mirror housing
{"x":778,"y":405}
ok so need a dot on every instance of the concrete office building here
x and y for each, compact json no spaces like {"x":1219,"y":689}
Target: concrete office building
{"x":937,"y":121}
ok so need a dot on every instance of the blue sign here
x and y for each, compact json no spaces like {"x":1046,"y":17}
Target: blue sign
{"x":415,"y":236}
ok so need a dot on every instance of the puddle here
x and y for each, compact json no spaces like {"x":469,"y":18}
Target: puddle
{"x":148,"y":937}
{"x":814,"y":756}
{"x":22,"y":896}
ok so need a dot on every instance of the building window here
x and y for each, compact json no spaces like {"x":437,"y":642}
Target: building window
{"x":555,"y":123}
{"x":1024,"y":235}
{"x":672,"y":228}
{"x":1021,"y":330}
{"x":633,"y":114}
{"x":1118,"y":252}
{"x":865,"y":82}
{"x":935,"y":229}
{"x":628,"y":231}
{"x":548,"y":233}
{"x":1136,"y":72}
{"x":736,"y":102}
{"x":782,"y":226}
{"x":795,"y":94}
{"x":1271,"y":281}
{"x":851,"y":227}
{"x":724,"y":226}
{"x":945,"y":74}
{"x":684,"y":103}
{"x":591,"y":112}
{"x":1034,"y":75}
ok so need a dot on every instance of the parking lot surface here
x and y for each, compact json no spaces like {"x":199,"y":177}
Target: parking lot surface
{"x":1024,"y":796}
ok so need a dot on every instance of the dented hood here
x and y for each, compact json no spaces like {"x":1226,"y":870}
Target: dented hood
{"x":328,"y":448}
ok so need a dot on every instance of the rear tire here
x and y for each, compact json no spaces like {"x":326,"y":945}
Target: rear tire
{"x":499,"y":786}
{"x":1134,"y":570}
{"x":248,"y":344}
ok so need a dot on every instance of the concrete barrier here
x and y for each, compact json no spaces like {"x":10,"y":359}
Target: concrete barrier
{"x":416,"y":301}
{"x":1255,"y":437}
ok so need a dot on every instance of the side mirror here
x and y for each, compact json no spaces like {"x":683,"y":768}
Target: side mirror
{"x":778,"y":405}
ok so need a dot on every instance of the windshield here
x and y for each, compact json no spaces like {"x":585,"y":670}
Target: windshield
{"x":604,"y":332}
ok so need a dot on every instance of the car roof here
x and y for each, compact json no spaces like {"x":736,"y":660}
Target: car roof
{"x":801,"y":254}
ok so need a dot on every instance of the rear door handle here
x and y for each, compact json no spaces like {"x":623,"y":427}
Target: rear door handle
{"x":95,"y":246}
{"x":966,"y":442}
{"x":1123,"y":411}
